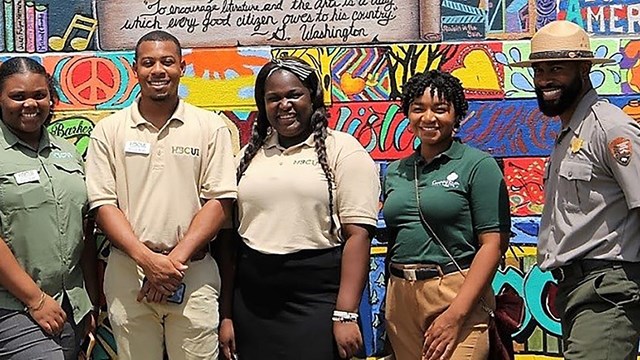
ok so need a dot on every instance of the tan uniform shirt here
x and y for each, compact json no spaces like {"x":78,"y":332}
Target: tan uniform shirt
{"x":283,"y":197}
{"x":160,"y":177}
{"x":591,"y":188}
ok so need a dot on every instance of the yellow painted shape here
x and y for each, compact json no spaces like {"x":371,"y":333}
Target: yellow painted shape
{"x":378,"y":250}
{"x":522,"y":251}
{"x":403,"y":56}
{"x":477,"y":72}
{"x":219,"y":94}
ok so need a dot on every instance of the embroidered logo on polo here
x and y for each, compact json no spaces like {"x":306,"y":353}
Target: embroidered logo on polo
{"x":312,"y":162}
{"x":450,"y":181}
{"x":621,"y":150}
{"x":61,"y":155}
{"x":185,"y":151}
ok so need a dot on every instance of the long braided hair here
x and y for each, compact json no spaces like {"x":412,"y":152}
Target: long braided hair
{"x":318,"y":123}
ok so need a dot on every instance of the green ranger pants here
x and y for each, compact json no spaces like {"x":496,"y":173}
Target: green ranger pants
{"x":599,"y":306}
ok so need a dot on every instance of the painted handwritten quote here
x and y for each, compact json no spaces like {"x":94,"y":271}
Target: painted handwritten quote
{"x":254,"y":22}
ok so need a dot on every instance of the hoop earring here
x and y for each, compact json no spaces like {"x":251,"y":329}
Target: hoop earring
{"x":456,"y":126}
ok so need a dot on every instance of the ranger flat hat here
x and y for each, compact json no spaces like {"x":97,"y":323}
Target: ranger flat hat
{"x":560,"y":41}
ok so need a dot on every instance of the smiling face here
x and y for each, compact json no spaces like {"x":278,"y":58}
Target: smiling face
{"x":288,"y":107}
{"x":158,"y":68}
{"x":558,"y":85}
{"x":432,"y":120}
{"x":26,"y":103}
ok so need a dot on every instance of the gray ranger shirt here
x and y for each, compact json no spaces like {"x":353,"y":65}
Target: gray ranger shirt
{"x":592,"y":187}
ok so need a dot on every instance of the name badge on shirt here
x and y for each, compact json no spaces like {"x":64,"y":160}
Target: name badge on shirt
{"x":27,"y":176}
{"x":137,"y":147}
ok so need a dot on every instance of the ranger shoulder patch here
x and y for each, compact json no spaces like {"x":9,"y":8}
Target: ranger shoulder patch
{"x":621,"y":150}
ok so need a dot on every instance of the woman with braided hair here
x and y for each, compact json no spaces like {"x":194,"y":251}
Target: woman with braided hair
{"x":306,"y":211}
{"x":447,"y":213}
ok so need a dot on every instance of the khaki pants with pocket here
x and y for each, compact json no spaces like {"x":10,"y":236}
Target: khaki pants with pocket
{"x":413,"y":305}
{"x":142,"y":330}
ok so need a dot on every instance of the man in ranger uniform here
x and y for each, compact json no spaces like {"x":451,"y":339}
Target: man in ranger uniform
{"x":590,"y":229}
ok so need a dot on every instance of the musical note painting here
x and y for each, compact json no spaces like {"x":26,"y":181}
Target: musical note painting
{"x":40,"y":26}
{"x":83,"y":27}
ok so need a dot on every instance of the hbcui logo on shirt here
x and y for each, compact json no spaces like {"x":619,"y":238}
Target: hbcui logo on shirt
{"x":185,"y":150}
{"x":306,"y":162}
{"x":450,"y":182}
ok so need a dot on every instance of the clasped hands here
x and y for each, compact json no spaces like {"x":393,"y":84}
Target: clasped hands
{"x":164,"y":274}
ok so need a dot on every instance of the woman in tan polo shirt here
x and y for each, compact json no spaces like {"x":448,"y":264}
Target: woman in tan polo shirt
{"x":45,"y":267}
{"x":307,"y":208}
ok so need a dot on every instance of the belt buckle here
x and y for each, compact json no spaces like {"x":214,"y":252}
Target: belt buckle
{"x":409,"y":274}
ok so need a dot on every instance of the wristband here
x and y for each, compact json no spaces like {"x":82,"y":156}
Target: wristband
{"x":344,"y":316}
{"x":40,"y":303}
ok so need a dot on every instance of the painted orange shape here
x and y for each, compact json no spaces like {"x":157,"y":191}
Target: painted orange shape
{"x":632,"y":51}
{"x":351,"y":85}
{"x":91,"y":80}
{"x":219,"y":61}
{"x":633,"y":109}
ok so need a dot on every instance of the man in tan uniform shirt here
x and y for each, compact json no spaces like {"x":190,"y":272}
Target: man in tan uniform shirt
{"x":161,"y":178}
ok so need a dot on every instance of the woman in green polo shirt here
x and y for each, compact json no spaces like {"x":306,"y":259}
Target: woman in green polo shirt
{"x":43,"y":297}
{"x":433,"y":310}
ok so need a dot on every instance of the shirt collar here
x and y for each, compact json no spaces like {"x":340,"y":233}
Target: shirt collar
{"x":582,"y":110}
{"x":455,"y":151}
{"x":137,"y":119}
{"x":8,"y":139}
{"x":272,"y":141}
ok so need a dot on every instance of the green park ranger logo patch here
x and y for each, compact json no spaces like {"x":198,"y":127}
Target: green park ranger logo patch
{"x":621,"y":150}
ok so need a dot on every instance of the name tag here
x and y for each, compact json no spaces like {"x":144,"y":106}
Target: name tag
{"x":137,"y":147}
{"x":27,"y":176}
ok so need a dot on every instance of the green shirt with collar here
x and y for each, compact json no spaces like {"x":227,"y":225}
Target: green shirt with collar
{"x":462,"y":194}
{"x":42,"y":202}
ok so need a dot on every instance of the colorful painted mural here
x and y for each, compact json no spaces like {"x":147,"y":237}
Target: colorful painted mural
{"x":365,"y":50}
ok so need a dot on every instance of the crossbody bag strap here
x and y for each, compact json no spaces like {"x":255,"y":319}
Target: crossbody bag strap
{"x":435,"y":236}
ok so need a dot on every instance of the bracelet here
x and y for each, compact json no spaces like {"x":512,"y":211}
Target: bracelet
{"x":40,"y":303}
{"x":344,"y":316}
{"x":95,"y":309}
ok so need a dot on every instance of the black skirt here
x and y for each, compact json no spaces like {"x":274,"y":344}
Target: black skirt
{"x":283,"y":304}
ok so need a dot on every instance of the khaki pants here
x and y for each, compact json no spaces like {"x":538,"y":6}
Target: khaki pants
{"x":142,"y":330}
{"x":413,"y":305}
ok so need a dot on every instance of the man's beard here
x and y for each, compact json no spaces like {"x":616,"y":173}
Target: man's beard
{"x":568,"y":96}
